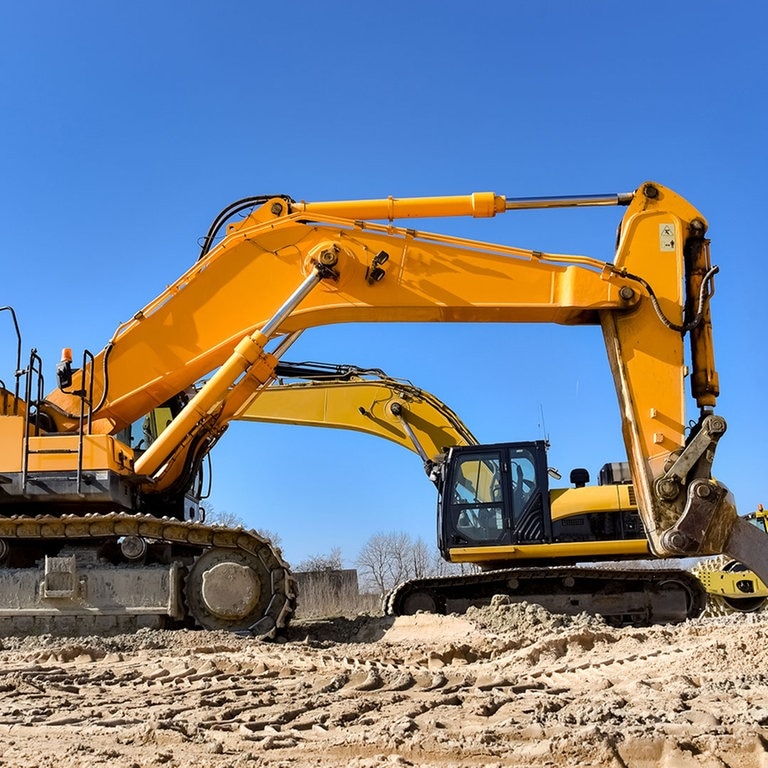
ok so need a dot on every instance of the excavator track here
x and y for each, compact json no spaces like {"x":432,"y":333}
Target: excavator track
{"x":175,"y":574}
{"x":624,"y":597}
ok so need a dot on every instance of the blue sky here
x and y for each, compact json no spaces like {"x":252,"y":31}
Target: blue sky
{"x":128,"y":126}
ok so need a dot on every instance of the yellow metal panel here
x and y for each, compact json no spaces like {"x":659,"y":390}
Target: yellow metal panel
{"x":363,"y":406}
{"x":10,"y":405}
{"x":566,"y":502}
{"x":11,"y":442}
{"x":582,"y":550}
{"x":52,"y":453}
{"x":724,"y":583}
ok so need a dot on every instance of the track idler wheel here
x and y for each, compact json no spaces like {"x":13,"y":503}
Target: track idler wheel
{"x":234,"y":591}
{"x":420,"y":600}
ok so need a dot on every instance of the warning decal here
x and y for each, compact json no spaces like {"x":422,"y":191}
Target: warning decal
{"x":667,"y":237}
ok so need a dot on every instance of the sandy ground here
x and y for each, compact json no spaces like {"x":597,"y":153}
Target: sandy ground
{"x":505,"y":686}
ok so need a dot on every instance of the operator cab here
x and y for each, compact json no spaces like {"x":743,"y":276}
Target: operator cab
{"x":497,"y":497}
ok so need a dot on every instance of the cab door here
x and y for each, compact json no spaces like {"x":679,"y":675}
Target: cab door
{"x":528,"y":482}
{"x":476,"y":497}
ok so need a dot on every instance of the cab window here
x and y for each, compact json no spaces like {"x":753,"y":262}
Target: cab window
{"x":477,"y":498}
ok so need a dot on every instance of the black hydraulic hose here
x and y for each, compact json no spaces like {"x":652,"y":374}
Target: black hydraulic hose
{"x":229,"y":212}
{"x":105,"y":374}
{"x":704,"y":295}
{"x":319,"y":371}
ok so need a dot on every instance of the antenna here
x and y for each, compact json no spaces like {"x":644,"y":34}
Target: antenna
{"x":542,"y":425}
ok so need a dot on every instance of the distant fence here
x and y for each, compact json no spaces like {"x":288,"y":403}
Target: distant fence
{"x":330,"y":593}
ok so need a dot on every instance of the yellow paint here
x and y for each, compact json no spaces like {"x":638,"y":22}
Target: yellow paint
{"x":338,"y":404}
{"x":581,"y":550}
{"x":59,"y":453}
{"x":724,"y":583}
{"x":566,"y":502}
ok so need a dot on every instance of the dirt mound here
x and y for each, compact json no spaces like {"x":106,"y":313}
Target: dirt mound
{"x":506,"y":685}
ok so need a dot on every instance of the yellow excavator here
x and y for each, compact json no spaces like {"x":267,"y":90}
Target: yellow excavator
{"x":579,"y":524}
{"x":98,"y":529}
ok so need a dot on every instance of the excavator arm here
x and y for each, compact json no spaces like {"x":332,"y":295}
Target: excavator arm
{"x":290,"y":266}
{"x":362,"y":400}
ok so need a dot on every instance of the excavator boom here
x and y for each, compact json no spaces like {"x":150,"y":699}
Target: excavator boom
{"x":430,"y":278}
{"x":362,"y":400}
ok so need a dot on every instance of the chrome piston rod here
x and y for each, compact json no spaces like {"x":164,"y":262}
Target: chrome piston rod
{"x":215,"y":391}
{"x":568,"y":201}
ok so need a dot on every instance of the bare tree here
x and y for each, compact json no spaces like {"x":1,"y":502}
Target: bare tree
{"x":387,"y":559}
{"x":330,"y":562}
{"x":271,"y":535}
{"x":400,"y":547}
{"x":231,"y":520}
{"x":421,"y":560}
{"x":390,"y":558}
{"x":375,"y":563}
{"x":214,"y":516}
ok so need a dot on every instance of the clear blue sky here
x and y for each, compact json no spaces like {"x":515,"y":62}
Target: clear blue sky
{"x":127,"y":127}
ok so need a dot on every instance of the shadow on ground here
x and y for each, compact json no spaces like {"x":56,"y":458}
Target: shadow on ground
{"x":340,"y":629}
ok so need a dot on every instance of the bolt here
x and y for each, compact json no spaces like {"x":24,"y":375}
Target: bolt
{"x":626,"y":293}
{"x":396,"y":409}
{"x":716,"y":425}
{"x":676,"y":541}
{"x":328,"y":257}
{"x":698,"y":226}
{"x":667,"y":488}
{"x":704,"y":491}
{"x":277,"y":209}
{"x":650,"y":191}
